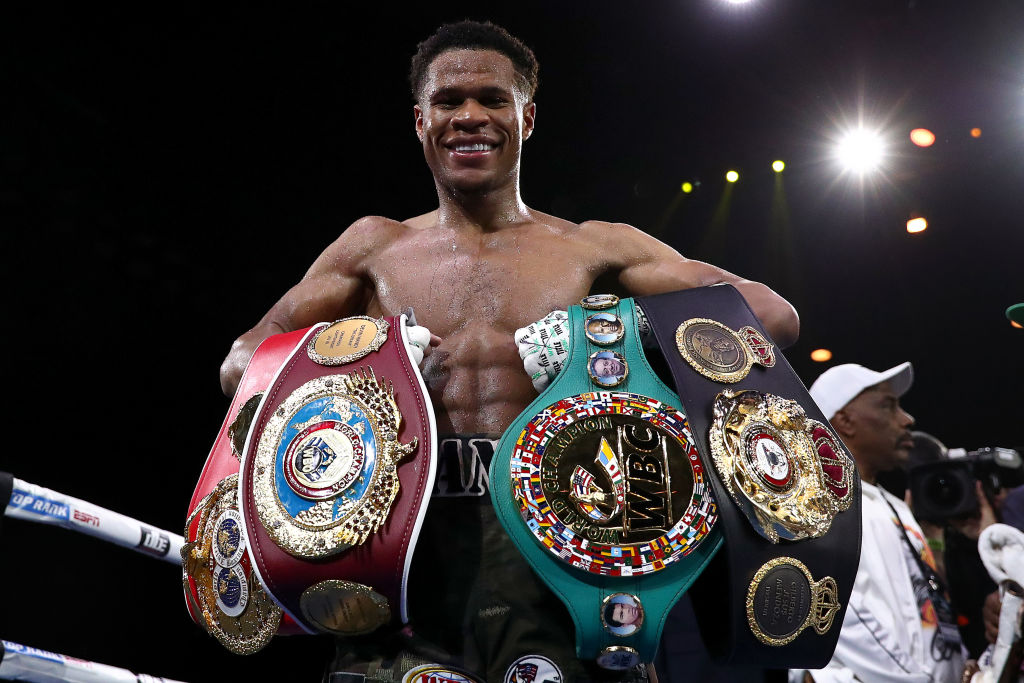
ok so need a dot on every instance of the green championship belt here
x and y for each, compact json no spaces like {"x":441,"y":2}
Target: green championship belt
{"x":601,"y":487}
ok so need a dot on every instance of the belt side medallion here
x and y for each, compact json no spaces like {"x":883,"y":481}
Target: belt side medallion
{"x":771,"y":458}
{"x":784,"y":599}
{"x":235,"y":608}
{"x":325,"y":475}
{"x":720,"y":353}
{"x":611,"y":483}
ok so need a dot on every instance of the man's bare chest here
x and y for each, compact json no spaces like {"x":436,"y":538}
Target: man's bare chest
{"x":508,"y":285}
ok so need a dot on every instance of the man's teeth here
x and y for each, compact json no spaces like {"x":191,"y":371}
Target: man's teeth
{"x":478,"y":147}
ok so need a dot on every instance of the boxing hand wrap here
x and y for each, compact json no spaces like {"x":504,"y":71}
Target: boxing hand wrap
{"x":543,"y":346}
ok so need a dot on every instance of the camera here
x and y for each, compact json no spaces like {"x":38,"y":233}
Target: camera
{"x":945,"y":489}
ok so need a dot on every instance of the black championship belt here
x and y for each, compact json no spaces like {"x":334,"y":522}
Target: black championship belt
{"x":788,"y":493}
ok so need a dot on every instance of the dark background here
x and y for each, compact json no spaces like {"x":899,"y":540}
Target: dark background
{"x":169,"y":170}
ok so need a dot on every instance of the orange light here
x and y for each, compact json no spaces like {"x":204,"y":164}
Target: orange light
{"x":1017,"y":324}
{"x":922,"y":137}
{"x":975,"y":132}
{"x":916,"y":225}
{"x":821,"y":355}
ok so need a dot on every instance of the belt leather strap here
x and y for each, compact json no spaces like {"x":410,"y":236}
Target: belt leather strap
{"x":583,"y":591}
{"x":721,"y":593}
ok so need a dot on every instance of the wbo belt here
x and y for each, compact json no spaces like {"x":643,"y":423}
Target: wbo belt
{"x":600,"y":485}
{"x":311,"y":501}
{"x":788,"y":493}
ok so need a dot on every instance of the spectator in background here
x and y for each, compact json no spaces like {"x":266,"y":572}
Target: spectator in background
{"x":897,"y":627}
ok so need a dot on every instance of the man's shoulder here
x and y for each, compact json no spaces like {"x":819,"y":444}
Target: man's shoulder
{"x":382,"y":228}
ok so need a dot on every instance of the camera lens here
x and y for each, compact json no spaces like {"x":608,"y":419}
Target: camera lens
{"x":944,"y":490}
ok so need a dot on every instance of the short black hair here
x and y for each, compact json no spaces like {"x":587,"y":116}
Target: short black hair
{"x":609,"y":611}
{"x":475,"y":35}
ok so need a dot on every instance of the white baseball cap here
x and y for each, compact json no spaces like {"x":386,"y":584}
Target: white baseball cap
{"x":837,"y":386}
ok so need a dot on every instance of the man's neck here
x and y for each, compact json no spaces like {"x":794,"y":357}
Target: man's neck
{"x":487,"y":210}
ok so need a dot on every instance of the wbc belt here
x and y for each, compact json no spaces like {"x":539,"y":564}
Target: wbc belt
{"x":600,"y":485}
{"x":788,"y":493}
{"x":336,"y":440}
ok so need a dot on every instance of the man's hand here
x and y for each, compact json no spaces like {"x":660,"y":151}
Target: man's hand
{"x":972,"y":526}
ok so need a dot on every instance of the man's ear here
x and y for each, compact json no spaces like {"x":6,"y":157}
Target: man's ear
{"x":529,"y":114}
{"x":418,"y":114}
{"x":843,"y":424}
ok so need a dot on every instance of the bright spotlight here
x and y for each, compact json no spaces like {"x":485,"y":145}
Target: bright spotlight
{"x":975,"y":132}
{"x":687,"y":188}
{"x":922,"y":137}
{"x":861,"y":151}
{"x":821,"y":355}
{"x":778,"y":166}
{"x":916,"y":225}
{"x":732,"y":176}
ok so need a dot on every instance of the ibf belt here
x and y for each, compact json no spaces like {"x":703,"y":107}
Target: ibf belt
{"x":222,"y":592}
{"x":788,"y":492}
{"x":600,"y":485}
{"x":324,"y":423}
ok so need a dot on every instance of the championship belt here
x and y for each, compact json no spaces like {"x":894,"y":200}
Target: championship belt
{"x":788,"y":492}
{"x":600,"y":486}
{"x":320,"y":518}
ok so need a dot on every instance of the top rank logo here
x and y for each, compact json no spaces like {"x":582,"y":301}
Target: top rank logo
{"x":38,"y":505}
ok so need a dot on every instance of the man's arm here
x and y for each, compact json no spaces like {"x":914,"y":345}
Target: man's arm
{"x":652,"y":267}
{"x":335,"y":285}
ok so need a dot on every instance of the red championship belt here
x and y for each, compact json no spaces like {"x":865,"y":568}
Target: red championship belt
{"x":238,"y":613}
{"x":336,"y":476}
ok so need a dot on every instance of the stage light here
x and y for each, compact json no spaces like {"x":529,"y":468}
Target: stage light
{"x":732,"y":176}
{"x":861,"y":151}
{"x":922,"y":137}
{"x":778,"y":166}
{"x":687,"y":188}
{"x":917,"y":224}
{"x":975,"y":132}
{"x":821,"y":355}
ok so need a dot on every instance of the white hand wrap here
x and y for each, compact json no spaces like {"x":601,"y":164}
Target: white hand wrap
{"x":543,"y":346}
{"x":419,"y":340}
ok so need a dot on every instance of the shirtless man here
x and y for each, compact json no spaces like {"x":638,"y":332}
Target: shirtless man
{"x":477,"y":268}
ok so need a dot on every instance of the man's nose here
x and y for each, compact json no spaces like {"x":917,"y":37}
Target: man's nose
{"x":470,"y":115}
{"x":907,"y":418}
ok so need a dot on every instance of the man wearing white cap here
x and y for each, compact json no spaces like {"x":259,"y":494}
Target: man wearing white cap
{"x":897,"y":627}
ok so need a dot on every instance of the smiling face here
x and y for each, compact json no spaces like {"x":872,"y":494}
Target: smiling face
{"x":472,"y":120}
{"x":608,"y":367}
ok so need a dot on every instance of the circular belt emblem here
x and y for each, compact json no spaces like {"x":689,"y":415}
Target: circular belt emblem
{"x":325,"y":473}
{"x":611,"y":483}
{"x":235,"y":608}
{"x":717,"y":352}
{"x":772,"y":459}
{"x":324,"y":459}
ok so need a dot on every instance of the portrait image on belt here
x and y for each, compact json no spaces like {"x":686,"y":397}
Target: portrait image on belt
{"x":604,"y":328}
{"x":622,"y":614}
{"x":607,"y":368}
